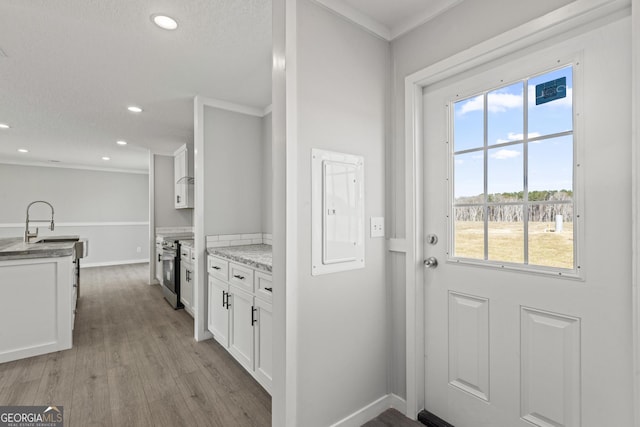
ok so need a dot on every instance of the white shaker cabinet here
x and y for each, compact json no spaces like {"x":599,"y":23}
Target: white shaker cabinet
{"x":186,"y":279}
{"x":263,"y":343}
{"x":158,"y":261}
{"x":218,"y":321}
{"x":183,"y":177}
{"x":240,"y":315}
{"x":241,"y":321}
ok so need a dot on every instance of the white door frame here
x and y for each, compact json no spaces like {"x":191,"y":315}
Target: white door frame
{"x":575,"y":14}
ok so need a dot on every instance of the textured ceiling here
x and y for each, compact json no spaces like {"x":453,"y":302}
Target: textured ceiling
{"x":69,"y":69}
{"x":73,"y":66}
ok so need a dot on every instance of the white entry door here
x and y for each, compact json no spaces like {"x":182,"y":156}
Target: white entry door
{"x":528,"y":314}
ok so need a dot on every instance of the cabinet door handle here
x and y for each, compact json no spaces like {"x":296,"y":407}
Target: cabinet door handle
{"x":188,"y":275}
{"x":228,"y":296}
{"x":268,"y":289}
{"x":177,"y":199}
{"x":253,"y":319}
{"x":159,"y":257}
{"x":224,"y":297}
{"x":237,"y":276}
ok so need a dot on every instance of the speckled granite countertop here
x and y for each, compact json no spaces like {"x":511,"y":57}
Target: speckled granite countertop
{"x":256,"y":256}
{"x":14,"y":248}
{"x":187,"y":242}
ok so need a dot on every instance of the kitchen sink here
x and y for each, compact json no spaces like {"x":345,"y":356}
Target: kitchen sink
{"x":82,"y":246}
{"x":58,"y":239}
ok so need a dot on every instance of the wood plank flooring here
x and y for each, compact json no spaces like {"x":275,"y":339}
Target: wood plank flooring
{"x":134,"y":362}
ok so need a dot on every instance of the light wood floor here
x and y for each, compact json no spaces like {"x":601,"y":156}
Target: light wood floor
{"x":134,"y":362}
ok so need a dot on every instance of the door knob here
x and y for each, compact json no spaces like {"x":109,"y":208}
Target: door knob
{"x":431,"y":262}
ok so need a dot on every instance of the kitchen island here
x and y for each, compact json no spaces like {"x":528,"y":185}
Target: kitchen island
{"x":38,"y":293}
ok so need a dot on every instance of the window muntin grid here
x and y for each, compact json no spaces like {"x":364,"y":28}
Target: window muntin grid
{"x":512,"y":164}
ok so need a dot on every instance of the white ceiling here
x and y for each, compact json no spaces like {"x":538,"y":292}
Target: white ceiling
{"x":73,"y":66}
{"x":69,"y":69}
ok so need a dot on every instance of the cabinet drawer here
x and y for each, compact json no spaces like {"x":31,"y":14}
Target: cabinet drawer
{"x":185,"y":253}
{"x":241,"y":276}
{"x":218,"y":268}
{"x":264,"y":285}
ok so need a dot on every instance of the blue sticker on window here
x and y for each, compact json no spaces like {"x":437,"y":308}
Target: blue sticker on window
{"x":549,"y":91}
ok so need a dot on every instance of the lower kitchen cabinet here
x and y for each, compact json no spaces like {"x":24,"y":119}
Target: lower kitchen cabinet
{"x":158,"y":261}
{"x":186,"y":286}
{"x":241,"y":321}
{"x":218,"y":322}
{"x":263,"y":343}
{"x":186,"y":279}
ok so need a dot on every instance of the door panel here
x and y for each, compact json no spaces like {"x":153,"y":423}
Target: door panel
{"x":469,"y":344}
{"x":515,"y":348}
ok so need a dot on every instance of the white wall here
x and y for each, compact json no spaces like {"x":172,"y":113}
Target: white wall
{"x":461,"y":27}
{"x":233,"y":167}
{"x":165,"y":213}
{"x":267,"y":175}
{"x":108,"y":208}
{"x":343,"y":74}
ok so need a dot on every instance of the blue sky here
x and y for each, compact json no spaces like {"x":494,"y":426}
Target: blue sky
{"x":550,"y":160}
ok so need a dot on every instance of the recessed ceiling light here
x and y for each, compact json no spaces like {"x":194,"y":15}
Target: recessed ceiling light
{"x":164,"y":22}
{"x":106,"y":158}
{"x":4,"y":126}
{"x":134,"y":109}
{"x":121,"y":142}
{"x":23,"y":150}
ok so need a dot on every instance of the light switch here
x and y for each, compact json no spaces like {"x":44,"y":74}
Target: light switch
{"x":377,"y":226}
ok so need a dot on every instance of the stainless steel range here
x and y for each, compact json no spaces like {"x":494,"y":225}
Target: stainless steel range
{"x":171,"y":271}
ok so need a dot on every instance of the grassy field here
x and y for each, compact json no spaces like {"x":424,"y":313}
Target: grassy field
{"x":506,"y":242}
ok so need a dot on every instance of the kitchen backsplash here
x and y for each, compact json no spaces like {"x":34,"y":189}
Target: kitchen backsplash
{"x":220,"y":240}
{"x":173,"y":230}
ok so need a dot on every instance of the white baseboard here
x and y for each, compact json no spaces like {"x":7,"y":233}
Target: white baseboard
{"x":372,"y":410}
{"x":109,"y":263}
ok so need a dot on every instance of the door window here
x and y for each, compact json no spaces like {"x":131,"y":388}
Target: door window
{"x":512,"y":175}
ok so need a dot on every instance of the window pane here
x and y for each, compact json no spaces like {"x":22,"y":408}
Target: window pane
{"x":551,"y":235}
{"x":505,"y":170}
{"x":506,"y":233}
{"x":554,"y":116}
{"x":505,"y":114}
{"x":469,"y":232}
{"x":468,"y":124}
{"x":469,"y":177}
{"x":551,"y":168}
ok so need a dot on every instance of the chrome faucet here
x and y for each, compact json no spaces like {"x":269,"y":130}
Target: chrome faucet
{"x":27,"y":235}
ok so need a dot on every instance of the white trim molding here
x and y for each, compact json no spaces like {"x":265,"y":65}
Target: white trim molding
{"x":356,"y":17}
{"x":379,"y":29}
{"x":200,"y":329}
{"x":397,"y":245}
{"x":110,"y":263}
{"x":372,"y":410}
{"x":562,"y":20}
{"x":635,"y":170}
{"x":230,"y":106}
{"x":82,"y":224}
